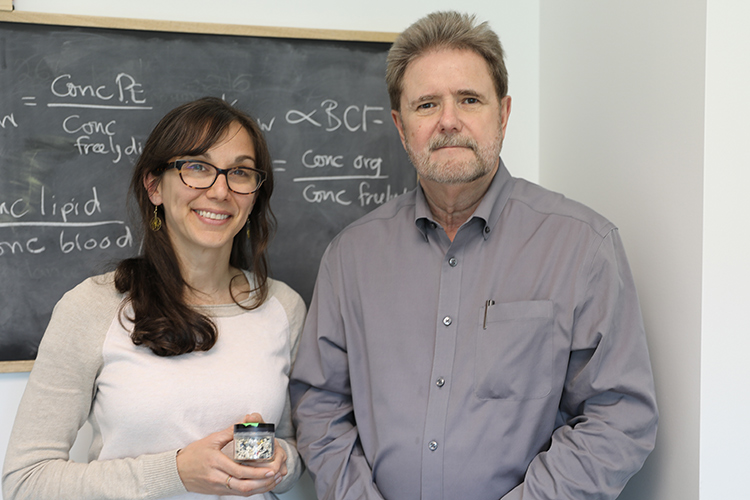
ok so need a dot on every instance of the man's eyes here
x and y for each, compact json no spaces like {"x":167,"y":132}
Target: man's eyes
{"x":430,"y":105}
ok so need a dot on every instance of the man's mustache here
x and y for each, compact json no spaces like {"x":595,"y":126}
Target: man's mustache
{"x":444,"y":141}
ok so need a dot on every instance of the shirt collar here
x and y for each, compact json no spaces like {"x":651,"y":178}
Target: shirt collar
{"x":489,"y":208}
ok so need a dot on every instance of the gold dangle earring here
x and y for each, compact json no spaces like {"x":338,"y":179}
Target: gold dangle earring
{"x":247,"y":225}
{"x":156,"y":221}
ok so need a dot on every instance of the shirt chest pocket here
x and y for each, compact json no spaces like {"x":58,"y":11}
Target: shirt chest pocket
{"x":513,"y":352}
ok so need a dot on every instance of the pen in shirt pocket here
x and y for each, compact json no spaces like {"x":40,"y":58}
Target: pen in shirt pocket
{"x":487,"y":304}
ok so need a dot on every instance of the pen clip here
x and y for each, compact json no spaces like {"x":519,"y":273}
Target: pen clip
{"x":487,"y":304}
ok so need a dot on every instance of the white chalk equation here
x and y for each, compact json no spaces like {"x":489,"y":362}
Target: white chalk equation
{"x":360,"y":168}
{"x":93,"y":136}
{"x":125,"y":93}
{"x":77,"y":231}
{"x":95,"y":120}
{"x":353,"y":118}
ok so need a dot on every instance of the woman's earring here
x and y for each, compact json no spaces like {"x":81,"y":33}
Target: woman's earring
{"x":156,"y":221}
{"x":247,"y":225}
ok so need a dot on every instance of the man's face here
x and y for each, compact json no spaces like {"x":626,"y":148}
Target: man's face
{"x":451,"y":122}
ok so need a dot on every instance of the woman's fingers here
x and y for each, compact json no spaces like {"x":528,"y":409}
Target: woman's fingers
{"x":203,"y":467}
{"x":253,"y":417}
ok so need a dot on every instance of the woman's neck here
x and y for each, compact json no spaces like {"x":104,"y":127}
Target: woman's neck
{"x":212,"y":281}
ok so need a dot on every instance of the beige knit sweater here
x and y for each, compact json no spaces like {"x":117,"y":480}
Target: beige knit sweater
{"x":143,"y":407}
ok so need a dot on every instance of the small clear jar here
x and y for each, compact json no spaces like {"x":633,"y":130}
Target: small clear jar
{"x":253,"y":442}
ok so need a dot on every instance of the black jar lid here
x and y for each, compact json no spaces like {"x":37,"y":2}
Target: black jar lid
{"x":254,"y":427}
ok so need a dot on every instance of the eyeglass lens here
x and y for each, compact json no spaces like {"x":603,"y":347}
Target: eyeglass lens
{"x":201,"y":175}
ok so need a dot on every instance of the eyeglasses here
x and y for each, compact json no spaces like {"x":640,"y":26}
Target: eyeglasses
{"x":202,"y":175}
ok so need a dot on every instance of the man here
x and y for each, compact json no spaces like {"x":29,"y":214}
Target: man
{"x":480,"y":337}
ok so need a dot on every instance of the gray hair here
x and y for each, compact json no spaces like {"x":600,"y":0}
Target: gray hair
{"x":444,"y":30}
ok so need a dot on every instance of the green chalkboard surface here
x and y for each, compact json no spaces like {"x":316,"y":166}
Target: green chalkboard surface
{"x":76,"y":106}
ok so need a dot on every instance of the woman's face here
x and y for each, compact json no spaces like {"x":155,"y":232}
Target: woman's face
{"x":207,"y":220}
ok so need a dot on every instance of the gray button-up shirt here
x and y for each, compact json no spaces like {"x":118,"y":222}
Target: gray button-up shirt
{"x":510,"y":362}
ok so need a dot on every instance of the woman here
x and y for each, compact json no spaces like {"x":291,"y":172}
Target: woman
{"x":165,"y":354}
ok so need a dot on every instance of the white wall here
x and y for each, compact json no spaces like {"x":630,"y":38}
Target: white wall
{"x":725,"y":372}
{"x":516,"y":21}
{"x":622,"y":130}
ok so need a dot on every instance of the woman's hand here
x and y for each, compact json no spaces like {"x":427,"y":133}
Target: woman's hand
{"x":278,"y":463}
{"x":203,"y":468}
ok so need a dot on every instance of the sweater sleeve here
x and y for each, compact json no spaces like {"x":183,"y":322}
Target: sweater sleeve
{"x":285,"y":431}
{"x":56,"y":403}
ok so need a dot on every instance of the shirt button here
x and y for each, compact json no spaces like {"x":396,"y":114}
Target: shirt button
{"x":453,"y":262}
{"x":440,"y":382}
{"x":447,"y":321}
{"x":487,"y":229}
{"x":433,"y":445}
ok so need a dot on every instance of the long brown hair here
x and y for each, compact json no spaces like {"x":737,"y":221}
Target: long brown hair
{"x":153,"y":282}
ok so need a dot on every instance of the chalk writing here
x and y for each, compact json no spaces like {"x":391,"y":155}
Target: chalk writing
{"x":126,"y":89}
{"x":362,"y":162}
{"x":72,"y":125}
{"x":60,"y":214}
{"x":71,"y":207}
{"x":76,"y":242}
{"x":372,"y":166}
{"x":366,"y":198}
{"x":312,"y":195}
{"x":8,"y":119}
{"x":14,"y":247}
{"x":354,"y":118}
{"x":13,"y":209}
{"x":266,"y":127}
{"x":69,"y":242}
{"x":310,"y":160}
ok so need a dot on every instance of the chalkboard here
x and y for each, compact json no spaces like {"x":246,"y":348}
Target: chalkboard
{"x":77,"y":104}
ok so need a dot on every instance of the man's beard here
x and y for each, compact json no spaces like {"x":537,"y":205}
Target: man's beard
{"x":455,"y":171}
